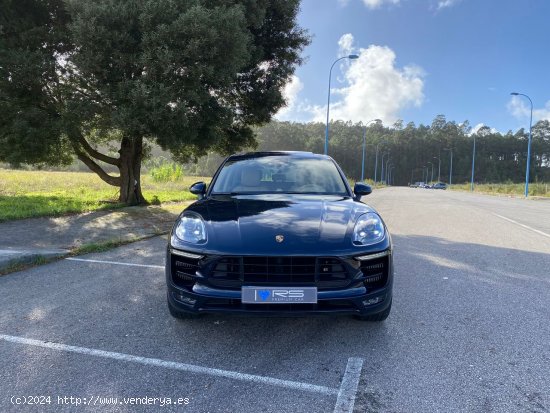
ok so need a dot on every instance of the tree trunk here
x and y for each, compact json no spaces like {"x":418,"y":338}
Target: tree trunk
{"x":131,"y":153}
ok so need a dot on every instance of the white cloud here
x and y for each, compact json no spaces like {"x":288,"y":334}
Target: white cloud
{"x":290,"y":93}
{"x":442,"y":4}
{"x":520,"y":109}
{"x":375,"y":4}
{"x":345,"y":44}
{"x":517,"y":107}
{"x":476,"y":129}
{"x":542,"y":114}
{"x":376,"y":88}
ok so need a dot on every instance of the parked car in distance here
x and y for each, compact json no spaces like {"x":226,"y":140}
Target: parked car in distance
{"x":439,"y":185}
{"x":280,"y":233}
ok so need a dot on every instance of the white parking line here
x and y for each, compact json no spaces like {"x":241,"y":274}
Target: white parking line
{"x":348,"y":388}
{"x":179,"y":366}
{"x":116,"y":263}
{"x":522,"y":225}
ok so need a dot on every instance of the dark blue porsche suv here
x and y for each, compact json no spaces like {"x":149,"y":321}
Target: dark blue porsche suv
{"x":280,"y":233}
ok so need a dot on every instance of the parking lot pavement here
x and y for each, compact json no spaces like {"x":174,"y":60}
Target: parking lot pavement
{"x":530,"y":212}
{"x":468,"y":332}
{"x":122,"y":309}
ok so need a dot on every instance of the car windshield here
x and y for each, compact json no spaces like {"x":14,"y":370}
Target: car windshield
{"x":280,"y":174}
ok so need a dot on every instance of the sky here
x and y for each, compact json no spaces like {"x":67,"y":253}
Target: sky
{"x":421,"y":58}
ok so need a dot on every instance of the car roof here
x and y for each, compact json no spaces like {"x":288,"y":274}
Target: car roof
{"x":293,"y":154}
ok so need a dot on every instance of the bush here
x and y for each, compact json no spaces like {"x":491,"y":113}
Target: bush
{"x":166,"y":172}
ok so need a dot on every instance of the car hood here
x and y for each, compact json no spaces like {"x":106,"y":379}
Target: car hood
{"x":278,"y":224}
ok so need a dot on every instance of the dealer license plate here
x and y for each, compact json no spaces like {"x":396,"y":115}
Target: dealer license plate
{"x":279,"y":295}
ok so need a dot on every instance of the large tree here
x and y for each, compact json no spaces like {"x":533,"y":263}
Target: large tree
{"x":190,"y":75}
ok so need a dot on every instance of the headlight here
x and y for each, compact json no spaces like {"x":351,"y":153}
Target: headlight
{"x":368,"y":230}
{"x":191,"y":229}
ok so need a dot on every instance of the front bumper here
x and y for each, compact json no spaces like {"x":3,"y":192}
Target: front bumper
{"x":343,"y":302}
{"x":355,"y":299}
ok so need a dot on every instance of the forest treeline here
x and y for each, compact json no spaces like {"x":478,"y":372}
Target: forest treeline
{"x":499,"y":157}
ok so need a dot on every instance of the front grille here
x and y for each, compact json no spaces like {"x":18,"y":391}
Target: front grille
{"x":375,"y":272}
{"x":279,"y":269}
{"x":234,"y":272}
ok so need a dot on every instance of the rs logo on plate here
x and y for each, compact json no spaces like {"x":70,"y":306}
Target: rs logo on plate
{"x":288,"y":293}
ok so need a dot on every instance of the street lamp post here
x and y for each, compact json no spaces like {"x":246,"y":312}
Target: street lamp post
{"x":351,"y":56}
{"x":451,"y":169}
{"x":528,"y":145}
{"x":473,"y":164}
{"x":438,"y":168}
{"x":364,"y":145}
{"x":387,"y":162}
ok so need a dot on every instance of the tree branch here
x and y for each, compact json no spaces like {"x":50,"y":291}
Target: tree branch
{"x":90,"y":163}
{"x":98,"y":155}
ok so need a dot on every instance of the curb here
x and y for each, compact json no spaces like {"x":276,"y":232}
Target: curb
{"x":10,"y":258}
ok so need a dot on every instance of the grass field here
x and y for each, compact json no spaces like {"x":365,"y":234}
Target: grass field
{"x":25,"y":194}
{"x":535,"y":189}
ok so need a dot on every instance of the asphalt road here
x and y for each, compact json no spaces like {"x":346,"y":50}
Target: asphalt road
{"x":469,"y":330}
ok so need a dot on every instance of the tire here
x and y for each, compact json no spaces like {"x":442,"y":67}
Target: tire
{"x":375,"y":317}
{"x":181,"y":314}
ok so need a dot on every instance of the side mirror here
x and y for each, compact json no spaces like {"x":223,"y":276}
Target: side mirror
{"x":361,"y":189}
{"x":198,"y":188}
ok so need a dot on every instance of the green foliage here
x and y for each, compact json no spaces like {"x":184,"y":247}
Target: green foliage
{"x":509,"y":188}
{"x":499,"y":158}
{"x":95,"y":247}
{"x":190,"y":75}
{"x":25,"y":194}
{"x":167,"y":172}
{"x":31,"y":35}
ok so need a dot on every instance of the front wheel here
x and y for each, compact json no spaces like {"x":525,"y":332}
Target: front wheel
{"x":375,"y":317}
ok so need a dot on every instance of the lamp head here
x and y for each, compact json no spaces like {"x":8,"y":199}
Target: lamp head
{"x":353,"y":56}
{"x":514,"y":93}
